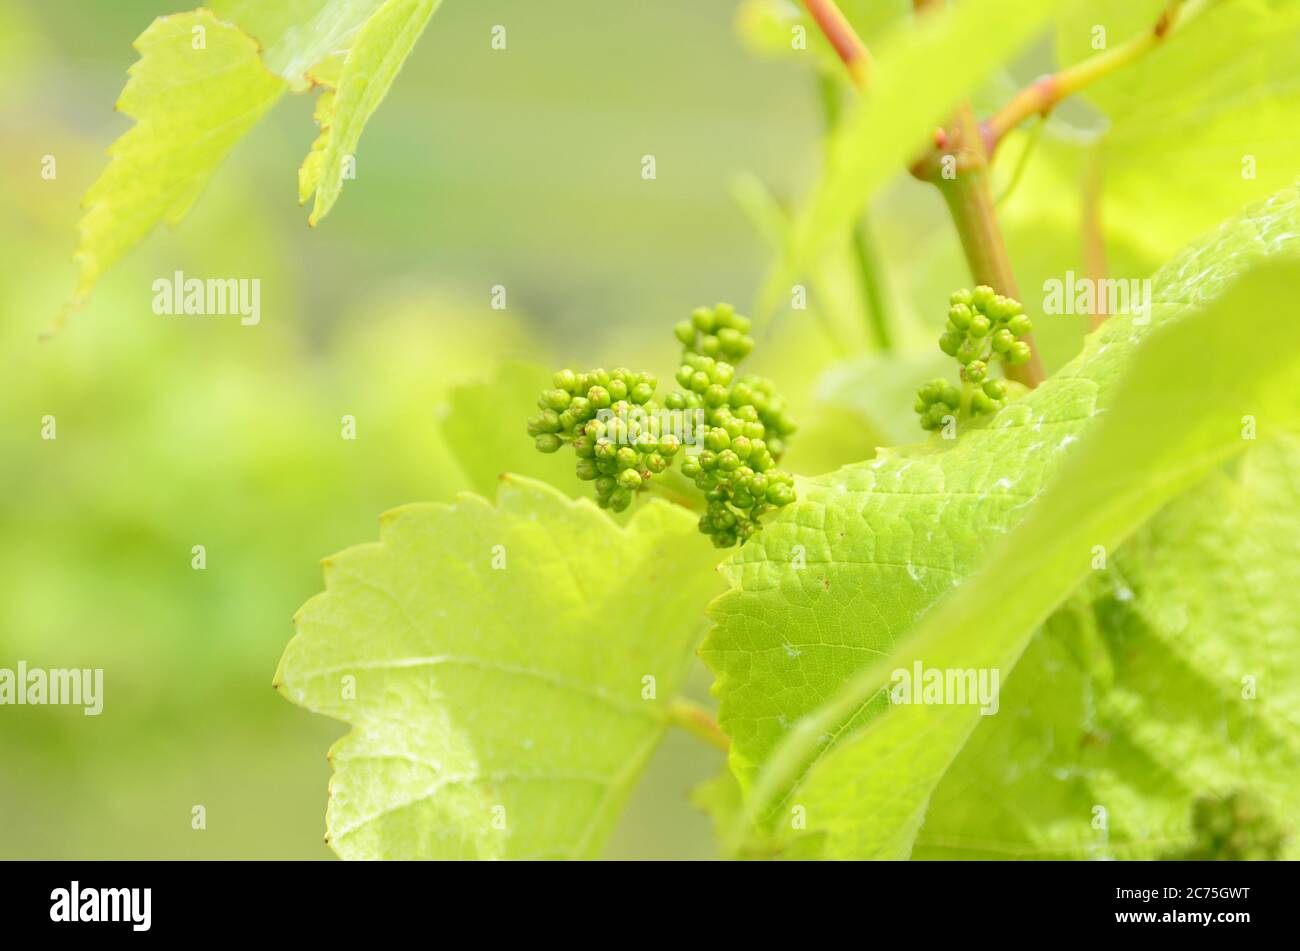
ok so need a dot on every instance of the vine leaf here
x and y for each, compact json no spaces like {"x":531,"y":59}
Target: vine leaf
{"x":1210,"y":108}
{"x":1125,"y":470}
{"x":353,"y":94}
{"x":206,"y":77}
{"x":297,"y":35}
{"x":885,"y":541}
{"x":498,"y":712}
{"x":470,"y":420}
{"x":197,"y":88}
{"x":1172,"y":675}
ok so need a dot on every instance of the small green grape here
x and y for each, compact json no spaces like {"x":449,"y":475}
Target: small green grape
{"x":981,"y":403}
{"x":961,"y":316}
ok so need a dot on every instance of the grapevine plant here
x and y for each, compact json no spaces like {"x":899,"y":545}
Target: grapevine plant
{"x":1114,"y":538}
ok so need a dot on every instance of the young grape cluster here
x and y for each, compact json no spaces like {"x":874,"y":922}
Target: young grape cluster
{"x":729,"y":430}
{"x":1236,"y":827}
{"x":619,"y":450}
{"x":981,"y":326}
{"x":745,"y":426}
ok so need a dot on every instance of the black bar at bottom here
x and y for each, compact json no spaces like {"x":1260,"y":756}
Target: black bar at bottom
{"x":303,"y":900}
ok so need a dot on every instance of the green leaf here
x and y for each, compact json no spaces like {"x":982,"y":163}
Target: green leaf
{"x":720,"y":798}
{"x":297,"y":35}
{"x":909,"y":98}
{"x":483,"y":424}
{"x":880,"y":390}
{"x":497,"y":713}
{"x":198,"y":87}
{"x":1131,"y":698}
{"x":884,"y":541}
{"x":1211,"y":108}
{"x":201,"y":84}
{"x":371,"y":65}
{"x":1122,"y":473}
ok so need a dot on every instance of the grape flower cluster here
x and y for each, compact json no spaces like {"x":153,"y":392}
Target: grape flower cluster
{"x":981,"y":326}
{"x":728,"y":430}
{"x":1236,"y":827}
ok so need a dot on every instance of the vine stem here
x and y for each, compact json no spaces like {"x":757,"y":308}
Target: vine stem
{"x":967,"y":195}
{"x":866,"y":255}
{"x":684,"y":498}
{"x":698,"y":722}
{"x":1094,"y":238}
{"x":841,"y":35}
{"x":1041,"y":96}
{"x":970,"y":202}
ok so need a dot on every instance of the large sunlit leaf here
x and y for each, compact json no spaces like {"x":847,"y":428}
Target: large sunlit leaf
{"x":505,"y":668}
{"x":1123,"y":472}
{"x":883,"y":541}
{"x":1171,"y":676}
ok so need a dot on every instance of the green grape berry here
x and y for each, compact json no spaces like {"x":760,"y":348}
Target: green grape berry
{"x":981,"y":403}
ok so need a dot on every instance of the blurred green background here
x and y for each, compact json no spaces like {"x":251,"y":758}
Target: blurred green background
{"x":520,"y":168}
